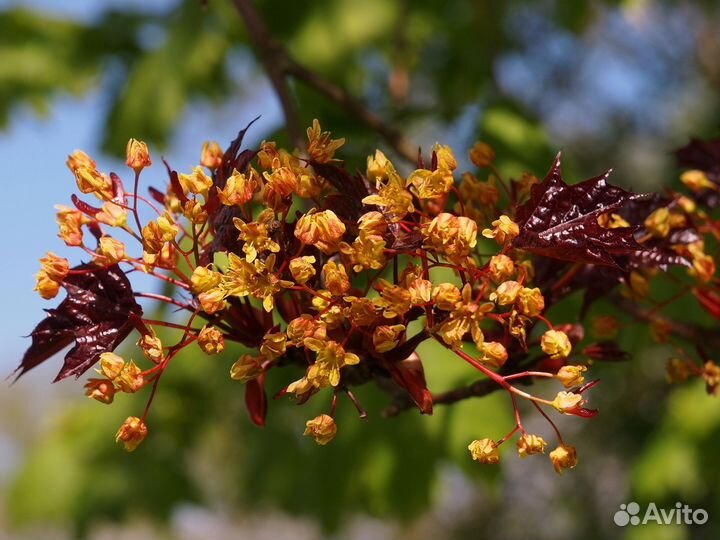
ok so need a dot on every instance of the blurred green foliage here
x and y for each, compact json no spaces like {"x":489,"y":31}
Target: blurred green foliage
{"x":203,"y":448}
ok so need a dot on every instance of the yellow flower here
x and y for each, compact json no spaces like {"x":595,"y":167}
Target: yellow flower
{"x":331,"y":357}
{"x":484,"y":451}
{"x":658,"y":223}
{"x":446,"y":296}
{"x":494,"y":354}
{"x":110,"y":365}
{"x":530,"y":302}
{"x":130,"y":379}
{"x":70,"y":222}
{"x":93,"y":181}
{"x":79,"y":160}
{"x":711,"y":374}
{"x":100,"y":390}
{"x":197,"y":182}
{"x":55,"y":267}
{"x":112,"y":214}
{"x":211,"y":155}
{"x":566,"y":401}
{"x":132,"y":433}
{"x":137,"y":155}
{"x":362,"y":311}
{"x":530,"y":444}
{"x":391,"y":194}
{"x":378,"y":167}
{"x":571,"y":375}
{"x":556,"y":344}
{"x":372,"y":223}
{"x":563,"y":457}
{"x":366,"y":252}
{"x":430,"y":184}
{"x":696,"y":181}
{"x":305,"y":326}
{"x":506,"y":293}
{"x":321,"y":229}
{"x":445,"y":158}
{"x":322,"y":428}
{"x":203,"y":279}
{"x":321,"y":147}
{"x":255,"y":237}
{"x":394,"y":299}
{"x":501,"y":268}
{"x":302,"y":268}
{"x":386,"y":338}
{"x":211,"y":340}
{"x":703,"y":265}
{"x":335,"y":278}
{"x":247,"y":368}
{"x":451,"y":235}
{"x":111,"y":249}
{"x":151,"y":347}
{"x":239,"y":188}
{"x":481,"y":154}
{"x":273,"y":345}
{"x":420,"y":291}
{"x":504,"y":230}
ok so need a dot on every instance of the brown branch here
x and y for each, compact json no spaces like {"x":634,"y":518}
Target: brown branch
{"x":272,"y":56}
{"x":279,"y":65}
{"x":689,"y":332}
{"x":480,"y":388}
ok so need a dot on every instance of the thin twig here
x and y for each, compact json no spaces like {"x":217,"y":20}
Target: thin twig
{"x":272,"y":56}
{"x":279,"y":65}
{"x":479,"y":388}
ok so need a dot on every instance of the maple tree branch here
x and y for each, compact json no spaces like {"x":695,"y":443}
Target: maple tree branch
{"x":479,"y":388}
{"x":272,"y":56}
{"x":279,"y":65}
{"x":690,"y":332}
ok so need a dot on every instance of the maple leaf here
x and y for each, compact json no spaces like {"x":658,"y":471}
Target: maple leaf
{"x":97,"y":315}
{"x":561,"y":221}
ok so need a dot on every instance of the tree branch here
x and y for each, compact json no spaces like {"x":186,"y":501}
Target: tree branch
{"x":279,"y":65}
{"x":272,"y":57}
{"x":479,"y":388}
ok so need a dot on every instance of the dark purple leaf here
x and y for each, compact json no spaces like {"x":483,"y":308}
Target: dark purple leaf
{"x":97,"y":315}
{"x":351,"y":190}
{"x":561,"y":221}
{"x":702,"y":155}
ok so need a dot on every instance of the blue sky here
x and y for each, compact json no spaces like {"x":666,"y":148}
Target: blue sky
{"x":33,"y":151}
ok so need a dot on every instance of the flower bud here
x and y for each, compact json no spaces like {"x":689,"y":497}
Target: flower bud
{"x":677,"y":370}
{"x":386,"y":338}
{"x":658,"y":223}
{"x":112,"y":250}
{"x":530,"y":302}
{"x":501,"y":268}
{"x":138,"y":155}
{"x":571,"y":375}
{"x":446,"y":296}
{"x":696,"y":181}
{"x":530,"y":444}
{"x":322,"y":229}
{"x":322,"y":428}
{"x":247,"y":368}
{"x":481,"y":154}
{"x":302,"y":268}
{"x":78,"y":160}
{"x":484,"y":451}
{"x":506,"y":293}
{"x":211,"y":155}
{"x":132,"y":433}
{"x":567,"y":401}
{"x":203,"y":279}
{"x":110,"y":365}
{"x":273,"y":345}
{"x":212,"y":301}
{"x":556,"y":344}
{"x":335,"y":278}
{"x":563,"y":457}
{"x":494,"y":354}
{"x":130,"y":379}
{"x":211,"y":340}
{"x":101,"y":390}
{"x":152,"y":347}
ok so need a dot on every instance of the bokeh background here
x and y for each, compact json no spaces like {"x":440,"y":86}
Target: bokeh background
{"x":612,"y":83}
